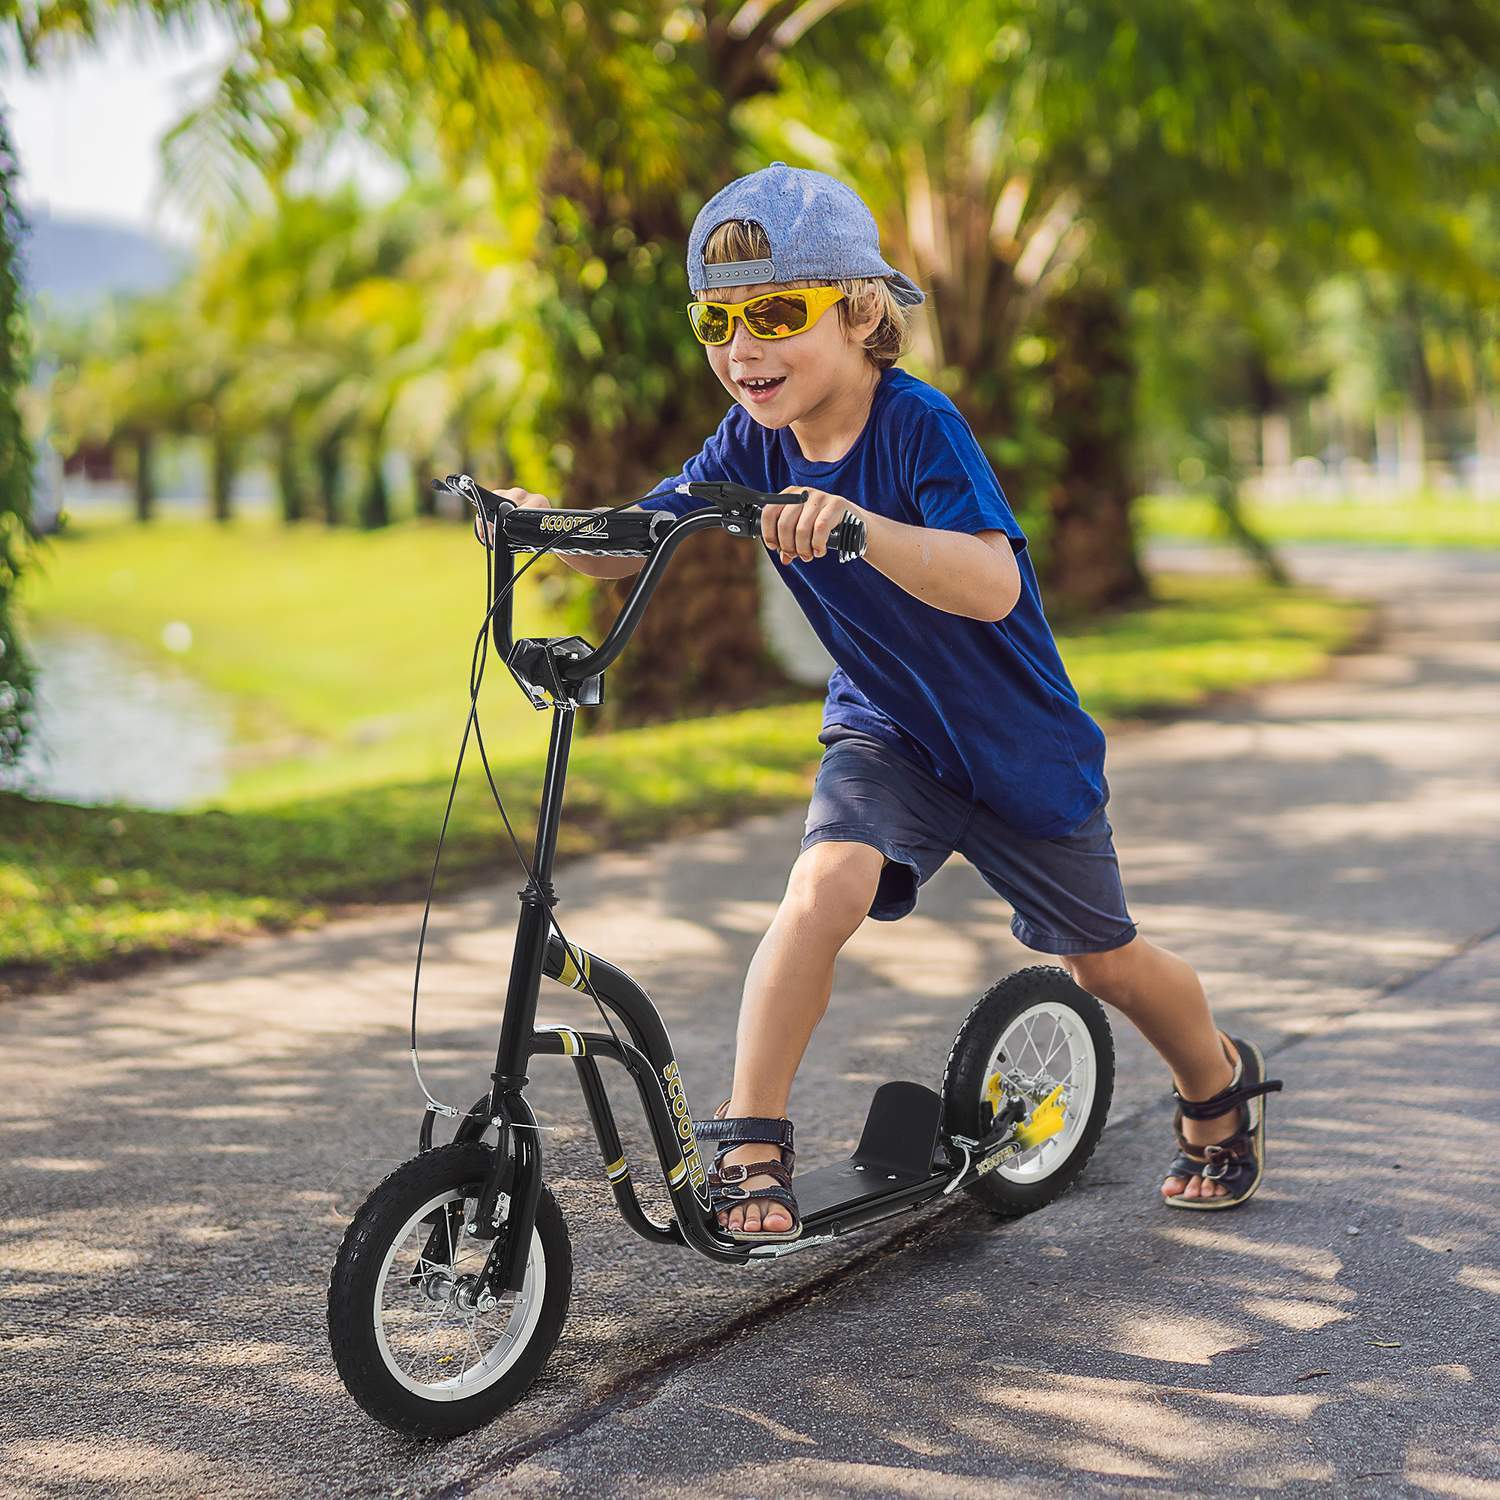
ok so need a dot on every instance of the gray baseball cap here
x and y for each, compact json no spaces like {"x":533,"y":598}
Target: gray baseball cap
{"x":819,"y":229}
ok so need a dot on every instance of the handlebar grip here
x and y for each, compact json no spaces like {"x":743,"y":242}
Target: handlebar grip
{"x":617,"y":534}
{"x":848,"y":540}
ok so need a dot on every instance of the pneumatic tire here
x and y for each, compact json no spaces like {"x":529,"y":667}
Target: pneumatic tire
{"x":1002,"y":1049}
{"x":408,"y":1348}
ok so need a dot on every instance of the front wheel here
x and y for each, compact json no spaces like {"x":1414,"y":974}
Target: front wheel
{"x":1038,"y":1038}
{"x":417,"y":1340}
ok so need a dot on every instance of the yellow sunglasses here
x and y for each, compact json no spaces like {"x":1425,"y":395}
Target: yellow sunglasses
{"x":772,"y":315}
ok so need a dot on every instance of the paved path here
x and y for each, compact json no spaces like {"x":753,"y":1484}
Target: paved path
{"x":183,"y":1148}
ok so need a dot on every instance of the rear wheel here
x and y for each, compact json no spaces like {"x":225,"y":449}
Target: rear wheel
{"x":418,"y":1340}
{"x":1038,"y":1038}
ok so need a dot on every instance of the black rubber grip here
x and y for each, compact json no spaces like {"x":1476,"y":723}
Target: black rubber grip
{"x":848,"y":540}
{"x":623,"y":534}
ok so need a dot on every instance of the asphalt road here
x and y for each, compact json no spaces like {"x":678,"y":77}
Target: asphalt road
{"x":182,"y":1150}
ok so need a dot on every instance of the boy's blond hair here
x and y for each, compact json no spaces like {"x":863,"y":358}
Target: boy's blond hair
{"x":745,"y":240}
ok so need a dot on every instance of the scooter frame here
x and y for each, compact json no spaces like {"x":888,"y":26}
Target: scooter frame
{"x":904,"y":1156}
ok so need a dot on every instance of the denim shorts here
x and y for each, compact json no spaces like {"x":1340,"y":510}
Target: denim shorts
{"x":1065,"y":893}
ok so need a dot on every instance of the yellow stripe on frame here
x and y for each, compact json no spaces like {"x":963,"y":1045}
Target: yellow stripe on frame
{"x":678,"y":1175}
{"x":573,"y":1044}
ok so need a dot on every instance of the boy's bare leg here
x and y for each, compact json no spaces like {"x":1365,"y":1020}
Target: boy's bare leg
{"x":1164,"y":999}
{"x":787,"y":988}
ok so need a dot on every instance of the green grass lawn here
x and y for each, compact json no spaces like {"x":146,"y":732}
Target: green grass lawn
{"x":320,"y":634}
{"x":1419,"y":521}
{"x":343,"y":652}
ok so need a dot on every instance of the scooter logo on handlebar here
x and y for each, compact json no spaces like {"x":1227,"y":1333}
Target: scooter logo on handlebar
{"x":578,"y":526}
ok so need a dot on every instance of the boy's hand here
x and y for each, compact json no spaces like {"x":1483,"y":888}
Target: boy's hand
{"x":485,"y":531}
{"x":800,"y":532}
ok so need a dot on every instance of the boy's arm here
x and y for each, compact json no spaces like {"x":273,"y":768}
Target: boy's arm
{"x":964,"y":573}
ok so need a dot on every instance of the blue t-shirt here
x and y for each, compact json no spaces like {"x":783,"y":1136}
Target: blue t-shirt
{"x":984,"y":705}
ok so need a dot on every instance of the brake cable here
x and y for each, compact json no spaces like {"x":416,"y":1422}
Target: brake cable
{"x":477,"y":663}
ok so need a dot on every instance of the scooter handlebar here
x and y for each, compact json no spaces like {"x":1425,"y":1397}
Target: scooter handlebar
{"x":624,"y":533}
{"x":635,"y":533}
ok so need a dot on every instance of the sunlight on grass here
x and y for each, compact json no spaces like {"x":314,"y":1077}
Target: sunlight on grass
{"x":1419,"y":521}
{"x":345,"y":653}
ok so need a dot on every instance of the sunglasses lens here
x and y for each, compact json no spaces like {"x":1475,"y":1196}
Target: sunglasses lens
{"x":710,"y":322}
{"x":777,"y":315}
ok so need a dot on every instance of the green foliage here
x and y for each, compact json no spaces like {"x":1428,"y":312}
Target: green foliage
{"x":16,"y":464}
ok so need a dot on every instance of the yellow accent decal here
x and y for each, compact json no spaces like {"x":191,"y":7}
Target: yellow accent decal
{"x":1045,"y":1122}
{"x":614,"y":1166}
{"x":573,"y":1044}
{"x":678,"y":1175}
{"x":569,"y":973}
{"x":684,"y":1121}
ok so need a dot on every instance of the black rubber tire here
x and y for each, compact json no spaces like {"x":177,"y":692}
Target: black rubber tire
{"x":964,"y":1078}
{"x":356,"y":1273}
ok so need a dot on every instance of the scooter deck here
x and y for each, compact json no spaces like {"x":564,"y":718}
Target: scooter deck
{"x":897,"y":1164}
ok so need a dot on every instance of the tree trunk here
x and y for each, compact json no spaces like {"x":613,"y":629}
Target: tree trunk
{"x":1091,"y":559}
{"x":699,"y":648}
{"x":224,"y":462}
{"x":329,"y":458}
{"x":375,"y":502}
{"x":424,"y":497}
{"x":144,"y":479}
{"x":290,"y":485}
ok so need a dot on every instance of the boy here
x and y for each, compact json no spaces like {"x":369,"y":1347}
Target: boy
{"x":950,"y":723}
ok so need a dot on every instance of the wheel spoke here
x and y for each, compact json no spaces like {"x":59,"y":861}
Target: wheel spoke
{"x":1058,"y":1045}
{"x":1032,"y":1077}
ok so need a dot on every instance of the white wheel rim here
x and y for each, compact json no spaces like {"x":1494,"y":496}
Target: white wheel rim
{"x":1046,"y":1045}
{"x":441,"y":1351}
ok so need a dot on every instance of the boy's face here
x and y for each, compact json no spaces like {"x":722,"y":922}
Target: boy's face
{"x":808,"y":367}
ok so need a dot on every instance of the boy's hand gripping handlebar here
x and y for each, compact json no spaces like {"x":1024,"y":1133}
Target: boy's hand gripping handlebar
{"x":741,"y":508}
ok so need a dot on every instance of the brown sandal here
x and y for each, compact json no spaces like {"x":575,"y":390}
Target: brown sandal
{"x":726,"y":1188}
{"x":1237,"y":1162}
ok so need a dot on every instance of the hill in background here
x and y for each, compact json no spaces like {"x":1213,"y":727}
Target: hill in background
{"x":73,"y":263}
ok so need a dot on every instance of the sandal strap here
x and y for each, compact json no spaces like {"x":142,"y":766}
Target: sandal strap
{"x":1227,"y":1159}
{"x":1225,"y":1169}
{"x":740,"y":1172}
{"x":746,"y":1130}
{"x":728,"y":1197}
{"x":1225,"y":1100}
{"x":1184,"y":1165}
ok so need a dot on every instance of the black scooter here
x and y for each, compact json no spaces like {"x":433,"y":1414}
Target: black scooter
{"x":452,"y":1282}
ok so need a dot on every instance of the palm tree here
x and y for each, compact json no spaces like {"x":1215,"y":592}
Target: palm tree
{"x":16,"y":462}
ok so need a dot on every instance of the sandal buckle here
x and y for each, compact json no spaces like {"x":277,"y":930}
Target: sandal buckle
{"x":735,"y":1172}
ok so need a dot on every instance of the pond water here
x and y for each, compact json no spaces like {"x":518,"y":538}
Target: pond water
{"x":112,"y":726}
